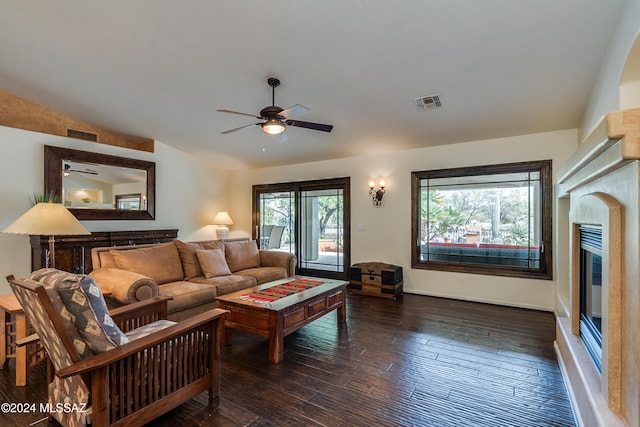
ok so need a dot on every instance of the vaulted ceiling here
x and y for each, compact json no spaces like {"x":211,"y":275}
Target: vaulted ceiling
{"x":160,"y":69}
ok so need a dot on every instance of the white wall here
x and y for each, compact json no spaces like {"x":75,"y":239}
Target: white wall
{"x":387,"y":232}
{"x":188,"y":192}
{"x":605,"y":95}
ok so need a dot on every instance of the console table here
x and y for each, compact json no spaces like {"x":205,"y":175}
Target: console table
{"x":73,"y":253}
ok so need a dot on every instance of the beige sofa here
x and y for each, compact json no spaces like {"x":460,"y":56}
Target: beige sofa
{"x":192,"y":273}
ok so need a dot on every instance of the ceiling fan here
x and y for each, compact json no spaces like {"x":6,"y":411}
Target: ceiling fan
{"x":67,"y":170}
{"x":275,"y":118}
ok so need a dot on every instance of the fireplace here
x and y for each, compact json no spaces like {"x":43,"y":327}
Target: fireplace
{"x":591,"y":291}
{"x":597,"y":312}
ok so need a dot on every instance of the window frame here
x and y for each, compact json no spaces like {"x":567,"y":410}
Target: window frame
{"x":343,"y":183}
{"x":545,"y":269}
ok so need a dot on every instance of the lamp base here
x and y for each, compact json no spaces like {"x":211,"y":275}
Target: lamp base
{"x":222,"y":232}
{"x":51,"y":261}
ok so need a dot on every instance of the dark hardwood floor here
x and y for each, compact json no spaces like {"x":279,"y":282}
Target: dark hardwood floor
{"x":418,"y":361}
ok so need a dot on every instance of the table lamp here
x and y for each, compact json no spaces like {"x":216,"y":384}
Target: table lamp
{"x":47,"y":219}
{"x":222,"y":219}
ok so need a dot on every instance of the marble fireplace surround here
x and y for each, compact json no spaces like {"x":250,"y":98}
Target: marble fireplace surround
{"x":601,"y":182}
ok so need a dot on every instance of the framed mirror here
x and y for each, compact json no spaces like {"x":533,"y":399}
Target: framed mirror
{"x":100,"y":186}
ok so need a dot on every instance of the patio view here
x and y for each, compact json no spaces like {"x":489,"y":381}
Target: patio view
{"x":490,"y":219}
{"x":316,"y":236}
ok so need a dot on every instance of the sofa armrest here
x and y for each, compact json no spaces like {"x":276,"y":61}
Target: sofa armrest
{"x":126,"y":287}
{"x":285,"y":260}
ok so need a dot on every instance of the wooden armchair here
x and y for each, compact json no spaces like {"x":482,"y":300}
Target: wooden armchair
{"x":162,"y":365}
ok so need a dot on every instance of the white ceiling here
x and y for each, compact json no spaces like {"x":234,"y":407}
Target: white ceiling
{"x":161,"y":68}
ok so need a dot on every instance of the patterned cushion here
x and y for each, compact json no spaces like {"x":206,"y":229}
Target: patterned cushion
{"x":68,"y":392}
{"x":212,"y":263}
{"x":51,"y":276}
{"x":100,"y":310}
{"x":48,"y":277}
{"x":86,"y":308}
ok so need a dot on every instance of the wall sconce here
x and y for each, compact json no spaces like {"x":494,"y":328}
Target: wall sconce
{"x":376,"y":195}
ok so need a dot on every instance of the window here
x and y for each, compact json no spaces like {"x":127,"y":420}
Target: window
{"x":492,"y":219}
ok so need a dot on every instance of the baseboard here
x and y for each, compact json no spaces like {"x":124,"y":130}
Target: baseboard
{"x":482,"y":300}
{"x":572,"y":397}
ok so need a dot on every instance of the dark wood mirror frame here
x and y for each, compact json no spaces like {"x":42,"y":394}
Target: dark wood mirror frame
{"x":53,"y":157}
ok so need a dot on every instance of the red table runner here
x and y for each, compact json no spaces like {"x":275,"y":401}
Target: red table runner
{"x":276,"y":292}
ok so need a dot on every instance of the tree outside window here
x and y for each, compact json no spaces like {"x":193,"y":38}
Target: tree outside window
{"x":490,"y":219}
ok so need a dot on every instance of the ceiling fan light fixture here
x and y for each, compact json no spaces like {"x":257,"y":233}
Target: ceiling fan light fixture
{"x":273,"y":127}
{"x":275,"y":118}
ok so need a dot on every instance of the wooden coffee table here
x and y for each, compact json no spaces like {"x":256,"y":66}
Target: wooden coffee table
{"x":279,"y":318}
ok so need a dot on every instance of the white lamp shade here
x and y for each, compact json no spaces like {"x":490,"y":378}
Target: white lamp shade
{"x":47,"y":219}
{"x":222,"y":218}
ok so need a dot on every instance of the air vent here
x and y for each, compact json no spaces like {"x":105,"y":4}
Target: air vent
{"x":428,"y":102}
{"x":87,"y":136}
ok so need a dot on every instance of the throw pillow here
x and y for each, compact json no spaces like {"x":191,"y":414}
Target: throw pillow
{"x":190,"y":263}
{"x":213,"y":263}
{"x":85,"y":303}
{"x":160,"y":262}
{"x":241,"y":255}
{"x":46,"y":277}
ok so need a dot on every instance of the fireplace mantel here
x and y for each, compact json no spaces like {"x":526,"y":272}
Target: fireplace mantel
{"x":613,"y":143}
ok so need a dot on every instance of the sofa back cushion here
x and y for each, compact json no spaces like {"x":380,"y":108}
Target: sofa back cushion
{"x":189,"y":258}
{"x":160,"y":262}
{"x":241,"y":255}
{"x":104,"y":259}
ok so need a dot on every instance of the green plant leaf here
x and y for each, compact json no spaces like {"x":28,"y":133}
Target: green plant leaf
{"x":49,"y":196}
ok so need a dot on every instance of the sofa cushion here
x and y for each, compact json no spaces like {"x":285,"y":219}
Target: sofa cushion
{"x":227,"y":284}
{"x":160,"y":262}
{"x":47,"y":277}
{"x":148,"y":329}
{"x":125,"y":286}
{"x":241,"y":255}
{"x":84,"y":302}
{"x":188,"y":256}
{"x":187,"y":294}
{"x":213,"y":263}
{"x":264,"y":274}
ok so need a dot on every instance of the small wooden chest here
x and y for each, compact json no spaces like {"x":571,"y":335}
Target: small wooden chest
{"x":376,"y":278}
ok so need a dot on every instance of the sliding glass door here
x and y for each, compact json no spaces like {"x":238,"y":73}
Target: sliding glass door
{"x":276,"y":211}
{"x":309,"y":219}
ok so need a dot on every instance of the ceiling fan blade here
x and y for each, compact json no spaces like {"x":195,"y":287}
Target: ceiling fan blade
{"x":239,"y":113}
{"x":280,"y":138}
{"x":309,"y":125}
{"x":240,"y":128}
{"x":90,"y":172}
{"x":293,"y":111}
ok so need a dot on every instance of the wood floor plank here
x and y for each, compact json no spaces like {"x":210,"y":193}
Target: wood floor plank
{"x":416,"y":361}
